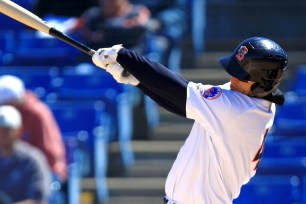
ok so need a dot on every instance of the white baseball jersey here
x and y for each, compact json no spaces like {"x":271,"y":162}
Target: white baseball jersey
{"x":223,"y":148}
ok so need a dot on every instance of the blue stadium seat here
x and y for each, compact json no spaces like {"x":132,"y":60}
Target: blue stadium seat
{"x":7,"y":39}
{"x":198,"y":21}
{"x":34,"y":49}
{"x":290,"y":119}
{"x":27,"y":4}
{"x":40,"y":79}
{"x":284,"y":157}
{"x":81,"y":119}
{"x":282,"y":166}
{"x":8,"y":23}
{"x":88,"y":122}
{"x":74,"y":175}
{"x":304,"y":190}
{"x":287,"y":148}
{"x":94,"y":85}
{"x":7,"y":46}
{"x":299,"y":84}
{"x":99,"y":85}
{"x":270,"y":189}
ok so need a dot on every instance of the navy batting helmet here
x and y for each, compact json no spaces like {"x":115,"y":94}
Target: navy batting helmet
{"x":260,"y":60}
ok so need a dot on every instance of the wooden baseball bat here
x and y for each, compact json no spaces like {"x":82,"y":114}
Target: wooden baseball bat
{"x":26,"y":17}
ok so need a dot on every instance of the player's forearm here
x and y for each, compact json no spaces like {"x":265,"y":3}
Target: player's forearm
{"x":161,"y":84}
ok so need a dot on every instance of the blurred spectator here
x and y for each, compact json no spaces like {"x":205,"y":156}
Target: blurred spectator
{"x":39,"y":127}
{"x":68,"y":8}
{"x":114,"y":22}
{"x":120,"y":22}
{"x":169,"y":19}
{"x":24,"y":172}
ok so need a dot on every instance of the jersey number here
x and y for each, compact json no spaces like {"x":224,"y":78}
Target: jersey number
{"x":258,"y":155}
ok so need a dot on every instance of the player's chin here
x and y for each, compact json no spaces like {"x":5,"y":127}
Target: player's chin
{"x":232,"y":87}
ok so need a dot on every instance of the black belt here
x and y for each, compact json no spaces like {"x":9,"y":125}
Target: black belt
{"x":166,"y":200}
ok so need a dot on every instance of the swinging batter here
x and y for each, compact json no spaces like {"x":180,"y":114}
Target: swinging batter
{"x":231,"y":121}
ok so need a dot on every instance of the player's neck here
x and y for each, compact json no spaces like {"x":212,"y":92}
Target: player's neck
{"x":241,"y":86}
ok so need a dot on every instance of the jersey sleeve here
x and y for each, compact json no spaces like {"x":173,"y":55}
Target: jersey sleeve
{"x":167,"y":88}
{"x":207,"y":105}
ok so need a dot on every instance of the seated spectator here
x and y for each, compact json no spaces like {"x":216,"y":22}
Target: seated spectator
{"x":114,"y":22}
{"x":39,"y":127}
{"x":24,"y":172}
{"x":121,"y":22}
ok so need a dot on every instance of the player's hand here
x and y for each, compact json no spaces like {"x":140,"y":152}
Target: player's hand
{"x":116,"y":70}
{"x":106,"y":56}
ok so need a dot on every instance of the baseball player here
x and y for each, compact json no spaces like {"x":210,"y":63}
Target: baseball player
{"x":231,"y":121}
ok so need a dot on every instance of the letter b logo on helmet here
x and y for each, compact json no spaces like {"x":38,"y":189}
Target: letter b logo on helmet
{"x":260,"y":60}
{"x":241,"y":52}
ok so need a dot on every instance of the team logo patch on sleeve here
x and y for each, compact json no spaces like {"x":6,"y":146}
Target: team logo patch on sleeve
{"x":211,"y":93}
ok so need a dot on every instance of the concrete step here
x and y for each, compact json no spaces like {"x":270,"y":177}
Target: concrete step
{"x":154,"y":158}
{"x":172,"y":131}
{"x":144,"y":149}
{"x":90,"y":198}
{"x":209,"y":59}
{"x":129,"y":186}
{"x":150,"y":168}
{"x":136,"y":186}
{"x":136,"y":200}
{"x":166,"y":116}
{"x":156,"y":149}
{"x":212,"y":75}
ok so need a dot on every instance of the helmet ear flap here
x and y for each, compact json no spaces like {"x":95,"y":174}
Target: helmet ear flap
{"x":259,"y":90}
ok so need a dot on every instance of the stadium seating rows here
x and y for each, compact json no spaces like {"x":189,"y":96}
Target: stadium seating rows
{"x":299,"y":85}
{"x":29,"y":47}
{"x":271,"y":189}
{"x":284,"y":157}
{"x":290,"y":119}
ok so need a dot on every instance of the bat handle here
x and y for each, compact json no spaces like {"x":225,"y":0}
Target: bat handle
{"x":58,"y":34}
{"x":91,"y":52}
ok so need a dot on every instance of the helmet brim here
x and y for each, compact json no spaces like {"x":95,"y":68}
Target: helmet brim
{"x":233,"y":68}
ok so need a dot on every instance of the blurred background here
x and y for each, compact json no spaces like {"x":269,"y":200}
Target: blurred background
{"x":119,"y":145}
